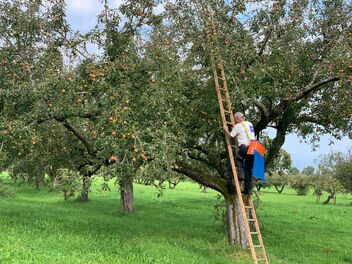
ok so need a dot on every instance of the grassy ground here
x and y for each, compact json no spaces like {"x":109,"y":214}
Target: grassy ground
{"x":39,"y":227}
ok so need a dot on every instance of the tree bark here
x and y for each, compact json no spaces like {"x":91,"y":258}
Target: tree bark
{"x":279,"y":189}
{"x":126,"y":195}
{"x":85,"y":189}
{"x":235,"y":226}
{"x":331,"y":196}
{"x":39,"y":181}
{"x":240,"y":225}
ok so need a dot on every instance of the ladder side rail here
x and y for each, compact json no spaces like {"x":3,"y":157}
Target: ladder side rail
{"x":256,"y":224}
{"x":234,"y":171}
{"x":227,"y":92}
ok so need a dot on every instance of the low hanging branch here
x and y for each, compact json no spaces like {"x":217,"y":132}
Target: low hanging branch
{"x":204,"y":178}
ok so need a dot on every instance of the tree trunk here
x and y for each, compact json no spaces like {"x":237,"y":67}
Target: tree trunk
{"x":235,"y":226}
{"x":279,"y":189}
{"x":53,"y":182}
{"x":39,"y":181}
{"x":331,"y":196}
{"x":318,"y":199}
{"x":126,"y":195}
{"x":85,"y":189}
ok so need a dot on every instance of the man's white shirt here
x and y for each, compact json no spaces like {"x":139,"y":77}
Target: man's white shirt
{"x":239,"y":131}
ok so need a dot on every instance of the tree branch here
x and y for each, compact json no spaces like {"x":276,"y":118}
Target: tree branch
{"x":90,"y":149}
{"x":261,"y":50}
{"x":310,"y":119}
{"x":311,"y":87}
{"x":262,"y":108}
{"x":214,"y":164}
{"x":206,"y":179}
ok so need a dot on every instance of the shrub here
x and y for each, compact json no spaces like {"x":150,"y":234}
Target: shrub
{"x":69,"y":182}
{"x":300,"y":183}
{"x":5,"y":190}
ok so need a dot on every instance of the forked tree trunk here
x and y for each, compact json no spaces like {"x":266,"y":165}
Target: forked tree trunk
{"x":279,"y":189}
{"x":235,"y":225}
{"x":331,"y":196}
{"x":126,"y":195}
{"x":85,"y":189}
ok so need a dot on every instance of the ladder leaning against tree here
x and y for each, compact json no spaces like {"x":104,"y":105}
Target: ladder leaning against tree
{"x":248,"y":214}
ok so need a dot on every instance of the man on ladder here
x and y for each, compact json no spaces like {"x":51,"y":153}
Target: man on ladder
{"x":244,"y":132}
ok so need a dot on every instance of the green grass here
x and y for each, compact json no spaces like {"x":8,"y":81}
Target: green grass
{"x":39,"y":227}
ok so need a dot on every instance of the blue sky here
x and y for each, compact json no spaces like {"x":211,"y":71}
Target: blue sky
{"x":81,"y":14}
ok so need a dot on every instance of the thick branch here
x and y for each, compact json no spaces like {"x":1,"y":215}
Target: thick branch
{"x":279,"y":140}
{"x":262,"y":108}
{"x":261,"y":50}
{"x":310,"y":88}
{"x":285,"y":103}
{"x":309,"y":119}
{"x":91,"y":150}
{"x":201,"y":177}
{"x":212,"y":163}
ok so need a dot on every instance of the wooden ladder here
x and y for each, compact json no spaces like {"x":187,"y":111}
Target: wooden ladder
{"x":250,"y":220}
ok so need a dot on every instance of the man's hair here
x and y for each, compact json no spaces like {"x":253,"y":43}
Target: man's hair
{"x":239,"y":114}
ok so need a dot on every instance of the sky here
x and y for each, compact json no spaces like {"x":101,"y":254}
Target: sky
{"x":82,"y":16}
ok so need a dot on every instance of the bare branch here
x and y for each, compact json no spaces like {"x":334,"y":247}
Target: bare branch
{"x":91,"y":150}
{"x":261,"y":50}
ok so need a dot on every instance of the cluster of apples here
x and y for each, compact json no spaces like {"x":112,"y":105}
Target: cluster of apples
{"x":98,"y":72}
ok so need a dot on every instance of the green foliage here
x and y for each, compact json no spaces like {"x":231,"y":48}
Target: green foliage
{"x":309,"y":170}
{"x":6,"y":191}
{"x":300,"y":183}
{"x":279,"y":181}
{"x":332,"y":169}
{"x":344,"y":173}
{"x":69,"y":182}
{"x":282,"y":164}
{"x":294,"y":171}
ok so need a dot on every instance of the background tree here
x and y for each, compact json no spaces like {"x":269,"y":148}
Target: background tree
{"x":344,"y":172}
{"x":301,"y":183}
{"x":280,"y":171}
{"x":327,"y":170}
{"x":309,"y":170}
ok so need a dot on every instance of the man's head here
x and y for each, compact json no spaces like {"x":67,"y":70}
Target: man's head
{"x":239,"y":117}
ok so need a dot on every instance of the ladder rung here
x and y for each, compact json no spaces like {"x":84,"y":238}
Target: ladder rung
{"x":251,"y":220}
{"x":262,"y":259}
{"x":254,"y":233}
{"x":221,"y":78}
{"x":257,"y":246}
{"x":247,"y":207}
{"x":227,"y":111}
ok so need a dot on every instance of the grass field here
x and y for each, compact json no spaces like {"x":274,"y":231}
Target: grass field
{"x":39,"y":227}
